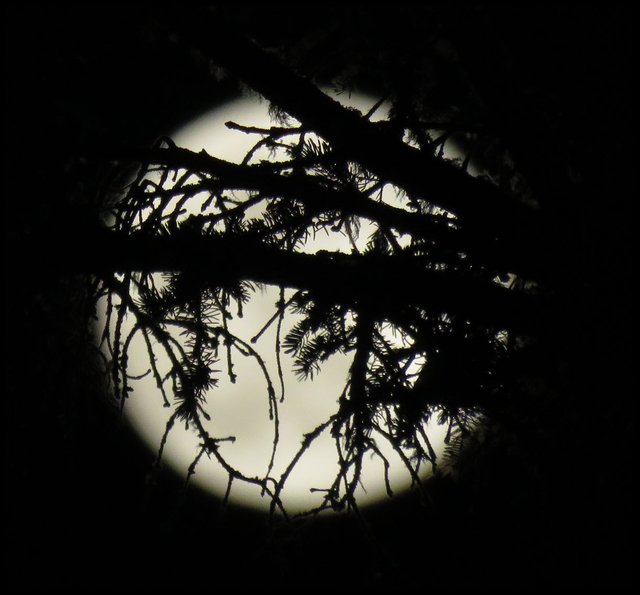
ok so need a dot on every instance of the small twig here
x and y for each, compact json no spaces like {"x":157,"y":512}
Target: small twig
{"x":279,"y":312}
{"x":227,"y":343}
{"x":274,"y":131}
{"x":278,"y":349}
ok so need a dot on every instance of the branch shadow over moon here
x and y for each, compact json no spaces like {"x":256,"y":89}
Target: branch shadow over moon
{"x":240,"y":408}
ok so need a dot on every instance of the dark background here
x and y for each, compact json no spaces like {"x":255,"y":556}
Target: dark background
{"x":547,"y":506}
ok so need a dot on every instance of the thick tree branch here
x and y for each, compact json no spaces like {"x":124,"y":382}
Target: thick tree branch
{"x":380,"y":284}
{"x":306,"y":189}
{"x":474,"y":200}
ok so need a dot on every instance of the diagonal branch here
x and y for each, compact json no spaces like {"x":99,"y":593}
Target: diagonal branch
{"x":417,"y":172}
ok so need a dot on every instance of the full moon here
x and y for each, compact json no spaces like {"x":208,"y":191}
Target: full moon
{"x":241,"y":408}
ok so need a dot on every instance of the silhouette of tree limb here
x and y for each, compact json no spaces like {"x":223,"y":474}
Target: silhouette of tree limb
{"x":350,"y":133}
{"x":267,"y":179}
{"x":386,"y":284}
{"x":437,"y":290}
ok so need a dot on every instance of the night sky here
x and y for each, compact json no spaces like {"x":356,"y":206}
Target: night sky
{"x":550,"y":507}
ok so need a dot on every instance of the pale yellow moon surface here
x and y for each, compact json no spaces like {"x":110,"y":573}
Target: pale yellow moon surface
{"x":241,"y":409}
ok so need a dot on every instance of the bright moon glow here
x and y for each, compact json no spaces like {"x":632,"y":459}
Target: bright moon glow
{"x":241,"y":409}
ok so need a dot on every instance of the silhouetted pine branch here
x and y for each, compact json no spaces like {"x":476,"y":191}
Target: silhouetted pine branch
{"x":427,"y":305}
